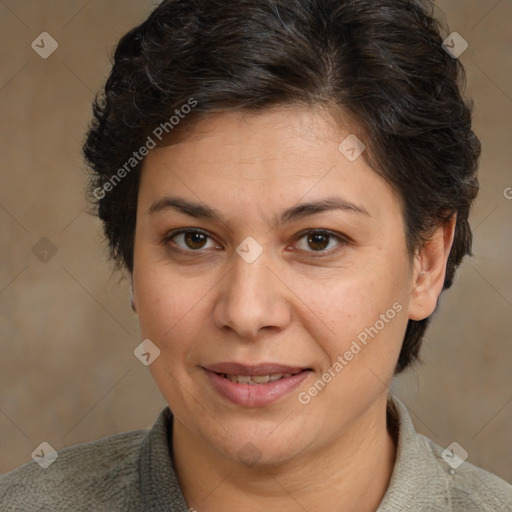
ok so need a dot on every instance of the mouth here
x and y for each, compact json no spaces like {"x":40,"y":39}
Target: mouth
{"x":255,"y":385}
{"x":256,"y":379}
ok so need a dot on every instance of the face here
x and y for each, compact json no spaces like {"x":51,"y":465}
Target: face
{"x":236,"y":279}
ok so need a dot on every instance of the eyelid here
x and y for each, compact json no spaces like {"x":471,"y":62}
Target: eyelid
{"x":343,"y":239}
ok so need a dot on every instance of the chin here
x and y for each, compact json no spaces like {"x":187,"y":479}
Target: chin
{"x":268,"y":444}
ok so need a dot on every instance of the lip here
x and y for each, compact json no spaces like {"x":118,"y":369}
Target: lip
{"x":253,"y":369}
{"x":254,"y":395}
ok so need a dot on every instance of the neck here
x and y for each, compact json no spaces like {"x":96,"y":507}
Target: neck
{"x":351,"y":474}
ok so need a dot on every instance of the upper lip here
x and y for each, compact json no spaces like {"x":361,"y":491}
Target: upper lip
{"x":232,"y":368}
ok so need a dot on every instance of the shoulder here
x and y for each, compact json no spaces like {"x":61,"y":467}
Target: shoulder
{"x":422,"y":478}
{"x":471,"y":488}
{"x":88,"y":476}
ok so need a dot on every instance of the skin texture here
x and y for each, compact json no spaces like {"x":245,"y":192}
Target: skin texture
{"x":295,"y":305}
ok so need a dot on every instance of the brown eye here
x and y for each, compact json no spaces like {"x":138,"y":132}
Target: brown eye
{"x":189,"y":240}
{"x":194,"y":239}
{"x":318,"y":241}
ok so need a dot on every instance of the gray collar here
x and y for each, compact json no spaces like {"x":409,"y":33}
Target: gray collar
{"x":419,"y":478}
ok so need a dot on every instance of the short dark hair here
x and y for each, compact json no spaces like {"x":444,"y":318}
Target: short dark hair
{"x":379,"y":61}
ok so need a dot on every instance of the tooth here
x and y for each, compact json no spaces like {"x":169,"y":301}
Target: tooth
{"x":260,"y":379}
{"x":256,"y":379}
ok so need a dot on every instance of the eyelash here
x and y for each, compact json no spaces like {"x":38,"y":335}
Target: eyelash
{"x":343,"y":241}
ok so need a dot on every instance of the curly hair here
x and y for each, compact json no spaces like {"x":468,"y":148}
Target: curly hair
{"x":379,"y":61}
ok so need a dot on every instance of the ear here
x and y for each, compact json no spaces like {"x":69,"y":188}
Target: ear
{"x":132,"y":298}
{"x":429,"y":271}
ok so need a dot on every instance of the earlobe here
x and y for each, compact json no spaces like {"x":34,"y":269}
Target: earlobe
{"x":430,"y":270}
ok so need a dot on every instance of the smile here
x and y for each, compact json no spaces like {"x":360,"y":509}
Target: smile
{"x":254,"y":385}
{"x":255,"y":379}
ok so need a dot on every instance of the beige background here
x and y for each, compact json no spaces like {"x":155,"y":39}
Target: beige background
{"x":68,"y":373}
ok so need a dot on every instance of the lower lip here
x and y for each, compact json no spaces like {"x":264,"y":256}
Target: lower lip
{"x":255,"y":395}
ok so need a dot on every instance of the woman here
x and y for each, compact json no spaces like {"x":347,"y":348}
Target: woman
{"x":288,"y":185}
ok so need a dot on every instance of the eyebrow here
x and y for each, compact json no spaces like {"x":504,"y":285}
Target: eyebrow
{"x":295,"y":213}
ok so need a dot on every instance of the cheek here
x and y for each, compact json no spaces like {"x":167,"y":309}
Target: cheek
{"x":366,"y":324}
{"x":175,"y":313}
{"x":337,"y":312}
{"x":164,"y":302}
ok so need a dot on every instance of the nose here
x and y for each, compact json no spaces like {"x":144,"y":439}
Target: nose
{"x":252,"y":299}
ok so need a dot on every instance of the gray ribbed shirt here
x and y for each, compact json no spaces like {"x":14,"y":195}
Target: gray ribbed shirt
{"x":134,"y":471}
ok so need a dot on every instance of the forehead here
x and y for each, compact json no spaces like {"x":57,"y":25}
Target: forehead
{"x":277,"y":156}
{"x":247,"y":137}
